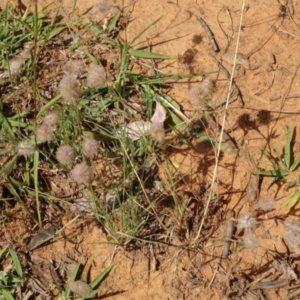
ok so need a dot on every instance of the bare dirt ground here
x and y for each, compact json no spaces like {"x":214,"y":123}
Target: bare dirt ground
{"x":267,"y":74}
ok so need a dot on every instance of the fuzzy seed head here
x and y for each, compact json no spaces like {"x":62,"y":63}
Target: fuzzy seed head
{"x":90,"y":148}
{"x":25,"y":148}
{"x":82,"y":173}
{"x":96,"y":76}
{"x":65,"y":155}
{"x":207,"y":86}
{"x":246,"y":222}
{"x":45,"y":133}
{"x":69,"y":89}
{"x":74,"y":67}
{"x":157,"y":132}
{"x":15,"y":66}
{"x":51,"y":120}
{"x":194,"y":93}
{"x":250,"y":241}
{"x":284,"y":268}
{"x":266,"y":203}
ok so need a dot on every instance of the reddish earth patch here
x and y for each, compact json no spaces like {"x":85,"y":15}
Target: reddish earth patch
{"x":268,"y":77}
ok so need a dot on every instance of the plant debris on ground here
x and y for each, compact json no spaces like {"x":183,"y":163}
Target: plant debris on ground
{"x":89,"y":130}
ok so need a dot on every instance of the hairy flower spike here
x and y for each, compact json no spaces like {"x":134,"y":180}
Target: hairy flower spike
{"x":246,"y":222}
{"x":157,"y":132}
{"x":65,"y":155}
{"x":82,"y":173}
{"x":45,"y":133}
{"x":90,"y":148}
{"x":207,"y":87}
{"x":74,"y":67}
{"x":51,"y":119}
{"x":69,"y":89}
{"x":194,"y":94}
{"x":96,"y":76}
{"x":200,"y":94}
{"x":250,"y":241}
{"x":266,"y":203}
{"x":25,"y":148}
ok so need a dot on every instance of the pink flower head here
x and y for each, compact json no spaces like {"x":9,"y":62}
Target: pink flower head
{"x":82,"y":173}
{"x":65,"y":155}
{"x":90,"y":148}
{"x":69,"y":89}
{"x":159,"y":115}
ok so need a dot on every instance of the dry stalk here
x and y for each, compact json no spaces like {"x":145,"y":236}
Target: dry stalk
{"x":222,"y":128}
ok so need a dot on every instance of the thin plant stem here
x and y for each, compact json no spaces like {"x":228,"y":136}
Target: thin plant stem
{"x":222,"y":129}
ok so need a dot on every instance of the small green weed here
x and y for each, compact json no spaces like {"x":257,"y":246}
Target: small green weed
{"x":78,"y":287}
{"x":283,"y":167}
{"x":12,"y":280}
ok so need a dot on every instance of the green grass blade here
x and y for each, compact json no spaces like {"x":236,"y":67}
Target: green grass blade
{"x":92,"y":294}
{"x":16,"y":262}
{"x":36,"y":185}
{"x":273,"y":173}
{"x":7,"y":168}
{"x":144,"y":30}
{"x":147,"y":54}
{"x":112,"y":24}
{"x":47,"y":106}
{"x":5,"y":124}
{"x":293,"y":200}
{"x":270,"y":158}
{"x":100,"y":277}
{"x":287,"y":148}
{"x":14,"y":193}
{"x":52,"y":34}
{"x":295,"y":165}
{"x":7,"y":295}
{"x":3,"y":251}
{"x":73,"y":277}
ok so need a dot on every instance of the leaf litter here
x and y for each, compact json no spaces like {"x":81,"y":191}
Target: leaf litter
{"x":193,"y":198}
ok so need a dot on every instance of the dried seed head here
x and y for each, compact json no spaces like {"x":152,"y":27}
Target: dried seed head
{"x":45,"y":133}
{"x":65,"y":155}
{"x":25,"y":148}
{"x":292,"y":234}
{"x":17,"y":63}
{"x":157,"y":132}
{"x":207,"y":86}
{"x":90,"y":148}
{"x":250,"y":241}
{"x":266,"y":203}
{"x":96,"y":76}
{"x":247,"y":222}
{"x":15,"y":66}
{"x":286,"y":270}
{"x":82,"y":173}
{"x":195,"y":95}
{"x":51,"y":120}
{"x":69,"y":89}
{"x":199,"y":94}
{"x":74,"y":67}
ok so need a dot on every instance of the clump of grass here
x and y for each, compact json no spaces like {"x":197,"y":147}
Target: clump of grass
{"x":86,"y":121}
{"x":12,"y":280}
